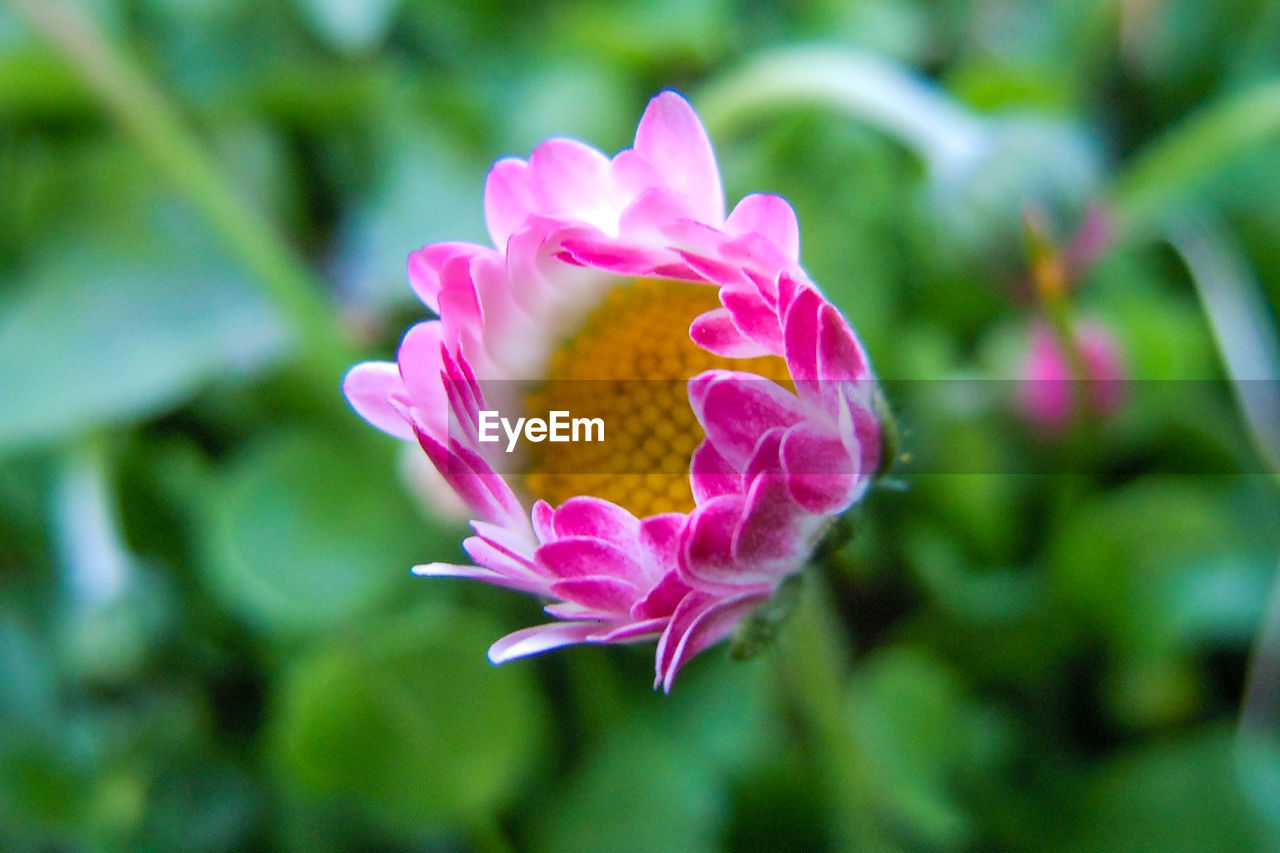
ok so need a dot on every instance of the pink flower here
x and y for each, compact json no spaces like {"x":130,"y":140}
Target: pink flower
{"x":740,"y":400}
{"x":1046,"y":394}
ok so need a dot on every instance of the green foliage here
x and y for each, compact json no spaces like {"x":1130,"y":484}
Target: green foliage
{"x":1049,"y":633}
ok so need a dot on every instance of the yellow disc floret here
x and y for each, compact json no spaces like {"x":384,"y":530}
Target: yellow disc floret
{"x":629,"y":365}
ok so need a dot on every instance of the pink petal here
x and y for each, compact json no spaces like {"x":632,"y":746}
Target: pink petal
{"x":599,"y":592}
{"x":508,"y":581}
{"x":663,"y":599}
{"x":540,"y":638}
{"x":369,"y":387}
{"x":633,"y":632}
{"x":657,"y":207}
{"x":580,"y":556}
{"x":735,"y":409}
{"x":754,"y":318}
{"x":487,"y":493}
{"x":660,"y":540}
{"x":715,"y":332}
{"x":708,"y":561}
{"x":840,"y":356}
{"x":774,"y":537}
{"x":671,"y":137}
{"x":821,"y":475}
{"x":425,"y":266}
{"x":572,"y":180}
{"x":769,"y":216}
{"x":598,"y":519}
{"x":699,"y":622}
{"x":711,"y":476}
{"x":508,"y":199}
{"x":543,"y":521}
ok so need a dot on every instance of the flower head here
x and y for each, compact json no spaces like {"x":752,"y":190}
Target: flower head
{"x":741,"y":402}
{"x":1045,"y":397}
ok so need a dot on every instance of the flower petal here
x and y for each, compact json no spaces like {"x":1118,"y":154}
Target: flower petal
{"x":508,"y":199}
{"x":369,"y":387}
{"x":769,"y":216}
{"x":735,"y":409}
{"x":540,"y":638}
{"x":821,"y":475}
{"x":581,"y":556}
{"x":599,"y":592}
{"x":671,"y":137}
{"x":699,"y":622}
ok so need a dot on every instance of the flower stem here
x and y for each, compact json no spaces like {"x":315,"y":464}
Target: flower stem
{"x":1190,"y":152}
{"x":141,"y":111}
{"x":811,"y":668}
{"x":865,"y":87}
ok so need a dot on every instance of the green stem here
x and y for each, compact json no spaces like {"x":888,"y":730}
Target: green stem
{"x":1190,"y":152}
{"x":142,"y":112}
{"x":865,"y":87}
{"x":811,"y":667}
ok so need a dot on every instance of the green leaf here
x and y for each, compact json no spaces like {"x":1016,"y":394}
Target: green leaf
{"x":95,"y":340}
{"x":411,"y":721}
{"x":1181,"y":795}
{"x":300,"y":536}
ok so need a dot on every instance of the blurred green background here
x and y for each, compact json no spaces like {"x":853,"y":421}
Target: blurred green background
{"x":209,"y":638}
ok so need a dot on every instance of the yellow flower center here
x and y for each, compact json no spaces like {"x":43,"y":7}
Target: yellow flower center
{"x":629,"y":365}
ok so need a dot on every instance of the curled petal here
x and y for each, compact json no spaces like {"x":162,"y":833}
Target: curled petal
{"x":700,"y":621}
{"x":540,"y":638}
{"x":369,"y":388}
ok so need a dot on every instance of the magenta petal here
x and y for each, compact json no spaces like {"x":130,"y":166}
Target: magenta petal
{"x":599,"y":592}
{"x":671,"y":137}
{"x":663,"y":599}
{"x":715,"y":332}
{"x":580,"y":556}
{"x":660,"y":540}
{"x":735,"y":409}
{"x":711,"y":476}
{"x":632,"y":632}
{"x":699,"y":622}
{"x":487,"y":493}
{"x":775,"y":535}
{"x":708,"y":561}
{"x":540,"y":638}
{"x":840,"y":356}
{"x":369,"y":387}
{"x":754,"y":318}
{"x":800,"y":334}
{"x":821,"y":475}
{"x":598,"y":519}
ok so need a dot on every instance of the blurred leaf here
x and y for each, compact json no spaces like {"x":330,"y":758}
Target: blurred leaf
{"x":428,"y":195}
{"x":919,"y":729}
{"x":411,"y":721}
{"x":1180,"y":795}
{"x":92,"y":340}
{"x":351,"y":26}
{"x":657,"y":781}
{"x":300,"y":536}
